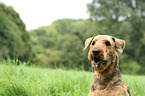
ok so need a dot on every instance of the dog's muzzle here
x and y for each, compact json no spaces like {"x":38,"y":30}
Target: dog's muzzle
{"x":99,"y":63}
{"x":97,"y":59}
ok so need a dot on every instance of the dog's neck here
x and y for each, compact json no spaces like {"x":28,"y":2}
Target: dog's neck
{"x":102,"y":79}
{"x":106,"y":75}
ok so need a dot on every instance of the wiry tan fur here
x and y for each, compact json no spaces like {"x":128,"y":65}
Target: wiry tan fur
{"x":107,"y":79}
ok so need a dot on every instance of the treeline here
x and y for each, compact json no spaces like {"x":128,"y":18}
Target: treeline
{"x":60,"y":45}
{"x":14,"y":39}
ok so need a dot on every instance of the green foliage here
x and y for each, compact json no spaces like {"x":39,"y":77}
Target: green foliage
{"x":130,"y":67}
{"x":52,"y":44}
{"x":64,"y":26}
{"x":55,"y":59}
{"x":142,"y":63}
{"x":72,"y":53}
{"x":14,"y":39}
{"x":29,"y":81}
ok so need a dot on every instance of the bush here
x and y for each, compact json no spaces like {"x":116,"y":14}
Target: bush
{"x":72,"y":53}
{"x":130,"y":67}
{"x":142,"y":63}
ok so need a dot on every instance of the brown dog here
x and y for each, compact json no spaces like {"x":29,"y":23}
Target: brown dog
{"x":105,"y":63}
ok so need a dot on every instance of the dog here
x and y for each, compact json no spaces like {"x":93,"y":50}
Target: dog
{"x":104,"y":58}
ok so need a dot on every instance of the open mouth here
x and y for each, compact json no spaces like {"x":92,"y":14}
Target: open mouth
{"x":97,"y":62}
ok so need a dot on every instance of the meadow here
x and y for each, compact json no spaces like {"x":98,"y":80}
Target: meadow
{"x":25,"y":80}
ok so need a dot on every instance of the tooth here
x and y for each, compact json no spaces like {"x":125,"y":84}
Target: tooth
{"x":96,"y":65}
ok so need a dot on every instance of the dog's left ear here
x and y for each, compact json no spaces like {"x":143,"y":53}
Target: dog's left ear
{"x":119,"y":44}
{"x":87,"y":42}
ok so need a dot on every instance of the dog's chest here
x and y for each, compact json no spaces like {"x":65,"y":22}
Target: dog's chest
{"x":107,"y":90}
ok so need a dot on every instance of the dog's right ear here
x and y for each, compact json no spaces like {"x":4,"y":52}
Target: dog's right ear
{"x":87,"y":42}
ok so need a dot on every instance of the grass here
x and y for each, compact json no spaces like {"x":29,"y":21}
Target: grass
{"x":31,"y":81}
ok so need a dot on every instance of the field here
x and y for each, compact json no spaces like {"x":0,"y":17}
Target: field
{"x":32,"y":81}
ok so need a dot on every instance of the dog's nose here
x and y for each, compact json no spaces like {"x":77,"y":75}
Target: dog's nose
{"x":96,"y":51}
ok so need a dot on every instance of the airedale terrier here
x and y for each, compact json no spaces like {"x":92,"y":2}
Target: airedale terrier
{"x":105,"y":63}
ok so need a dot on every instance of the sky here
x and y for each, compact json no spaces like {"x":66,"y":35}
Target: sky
{"x":36,"y":13}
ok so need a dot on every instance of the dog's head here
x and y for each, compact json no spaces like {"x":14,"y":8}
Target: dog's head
{"x":102,"y":51}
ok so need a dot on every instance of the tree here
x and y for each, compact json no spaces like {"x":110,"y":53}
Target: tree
{"x":72,"y":53}
{"x":64,"y":26}
{"x":14,"y":39}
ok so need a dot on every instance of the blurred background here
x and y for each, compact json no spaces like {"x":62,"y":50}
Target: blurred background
{"x":58,"y":41}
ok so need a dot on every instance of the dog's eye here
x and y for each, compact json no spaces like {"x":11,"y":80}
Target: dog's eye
{"x":93,"y":43}
{"x":108,"y":43}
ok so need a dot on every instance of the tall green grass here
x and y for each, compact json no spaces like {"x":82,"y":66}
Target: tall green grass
{"x":29,"y":81}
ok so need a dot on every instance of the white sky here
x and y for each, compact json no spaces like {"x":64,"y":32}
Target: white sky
{"x":36,"y":13}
